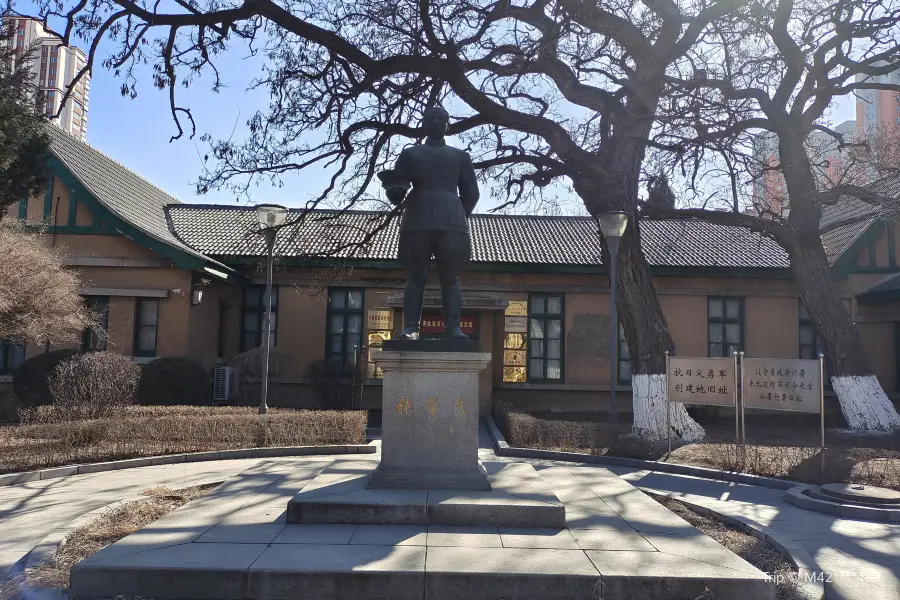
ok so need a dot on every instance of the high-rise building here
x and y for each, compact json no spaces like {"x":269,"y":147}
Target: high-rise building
{"x":878,"y":110}
{"x":54,"y":67}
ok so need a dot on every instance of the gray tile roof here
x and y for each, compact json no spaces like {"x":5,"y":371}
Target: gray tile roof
{"x":860,"y":215}
{"x":230,"y":232}
{"x":122,"y":191}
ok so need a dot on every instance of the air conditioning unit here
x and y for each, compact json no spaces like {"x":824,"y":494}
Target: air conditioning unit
{"x":222,"y":384}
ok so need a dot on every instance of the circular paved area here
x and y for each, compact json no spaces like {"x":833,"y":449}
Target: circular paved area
{"x":861,"y":559}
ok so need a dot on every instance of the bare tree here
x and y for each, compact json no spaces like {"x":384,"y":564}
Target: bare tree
{"x":773,"y":68}
{"x":541,"y":91}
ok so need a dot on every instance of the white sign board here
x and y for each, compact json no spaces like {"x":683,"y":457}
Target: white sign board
{"x":709,"y":381}
{"x":516,"y":324}
{"x":781,"y":384}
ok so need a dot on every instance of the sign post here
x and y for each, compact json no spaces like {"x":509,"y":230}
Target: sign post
{"x":783,"y":384}
{"x":822,"y":407}
{"x":737,"y":439}
{"x":708,"y":381}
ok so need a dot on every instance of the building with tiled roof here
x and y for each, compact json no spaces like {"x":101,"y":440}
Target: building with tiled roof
{"x":175,"y":279}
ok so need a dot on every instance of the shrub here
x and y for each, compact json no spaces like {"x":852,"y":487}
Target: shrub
{"x":333,"y":390}
{"x":32,"y":379}
{"x":174,"y":380}
{"x":93,"y":385}
{"x":247,"y":367}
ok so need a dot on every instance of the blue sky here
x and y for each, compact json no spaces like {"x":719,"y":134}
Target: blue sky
{"x":136,"y":132}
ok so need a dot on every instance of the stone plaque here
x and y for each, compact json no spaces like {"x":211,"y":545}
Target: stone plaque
{"x":516,"y":324}
{"x":782,"y":384}
{"x":708,"y":381}
{"x":380,"y":320}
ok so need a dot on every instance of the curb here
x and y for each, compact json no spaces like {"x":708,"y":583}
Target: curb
{"x":190,"y":457}
{"x":796,"y":497}
{"x":807,"y":569}
{"x":502,"y":448}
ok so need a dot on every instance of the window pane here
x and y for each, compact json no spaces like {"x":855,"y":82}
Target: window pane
{"x":249,"y":340}
{"x":554,"y":348}
{"x":807,"y":352}
{"x":733,"y":333}
{"x":625,"y":370}
{"x":251,"y":321}
{"x":715,"y":308}
{"x":731,"y":349}
{"x":337,"y":299}
{"x":536,"y":368}
{"x":806,"y":335}
{"x":715,"y":333}
{"x":252,"y":296}
{"x":353,"y":342}
{"x":147,"y":339}
{"x":554,"y":305}
{"x":537,"y":348}
{"x":553,"y":369}
{"x":354,"y":323}
{"x":355,"y":300}
{"x":149,"y":312}
{"x":273,"y":324}
{"x":804,"y":314}
{"x":337,"y":323}
{"x":733,"y":309}
{"x":624,"y":353}
{"x":554,"y":329}
{"x":538,"y":305}
{"x":715,"y":349}
{"x":274,"y":297}
{"x":337,"y":343}
{"x":537,"y":328}
{"x":621,"y":333}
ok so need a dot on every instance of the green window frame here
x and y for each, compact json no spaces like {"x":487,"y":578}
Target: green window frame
{"x":546,"y":343}
{"x":624,"y":358}
{"x":810,"y":341}
{"x":253,"y":317}
{"x":344,"y":328}
{"x":725,"y":325}
{"x":94,"y":340}
{"x":146,"y":326}
{"x":12,"y":355}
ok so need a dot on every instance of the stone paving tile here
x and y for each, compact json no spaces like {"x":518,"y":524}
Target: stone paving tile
{"x":575,"y":520}
{"x":390,"y":535}
{"x":610,"y":538}
{"x":519,"y":537}
{"x":242,"y":533}
{"x":316,"y":534}
{"x":149,"y":538}
{"x":466,"y":537}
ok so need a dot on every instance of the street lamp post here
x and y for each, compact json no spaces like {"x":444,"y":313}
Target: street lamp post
{"x":271,"y":217}
{"x":612,"y":226}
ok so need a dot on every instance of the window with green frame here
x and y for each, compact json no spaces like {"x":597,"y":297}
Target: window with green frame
{"x":253,"y":317}
{"x":11,"y":356}
{"x":94,"y":338}
{"x":146,"y":326}
{"x":725,"y":318}
{"x":345,"y":328}
{"x":545,"y":337}
{"x":624,"y":357}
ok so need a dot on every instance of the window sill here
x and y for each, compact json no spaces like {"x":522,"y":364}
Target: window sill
{"x":6,"y":378}
{"x":143,"y":360}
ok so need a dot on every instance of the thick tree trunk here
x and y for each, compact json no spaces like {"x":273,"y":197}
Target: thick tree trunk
{"x":861,"y":397}
{"x":640,"y":313}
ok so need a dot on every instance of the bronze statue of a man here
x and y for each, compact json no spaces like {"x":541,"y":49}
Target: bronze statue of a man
{"x":444,"y":194}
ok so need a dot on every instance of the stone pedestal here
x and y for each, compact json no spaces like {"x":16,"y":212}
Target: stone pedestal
{"x":430,"y":421}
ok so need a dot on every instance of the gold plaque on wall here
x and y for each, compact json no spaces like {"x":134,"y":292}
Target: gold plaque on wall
{"x":517,"y":308}
{"x":381,"y":320}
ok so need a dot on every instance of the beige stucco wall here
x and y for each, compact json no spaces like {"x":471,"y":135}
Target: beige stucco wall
{"x":771,"y":327}
{"x":686,"y":316}
{"x":301,"y":327}
{"x":587,"y":331}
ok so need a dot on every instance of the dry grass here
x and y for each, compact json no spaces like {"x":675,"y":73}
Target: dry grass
{"x":755,"y":551}
{"x":787,"y":448}
{"x":137,"y":431}
{"x":110,"y":527}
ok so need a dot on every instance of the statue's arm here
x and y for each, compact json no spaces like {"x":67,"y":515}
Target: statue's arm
{"x":396,"y":193}
{"x":468,"y":185}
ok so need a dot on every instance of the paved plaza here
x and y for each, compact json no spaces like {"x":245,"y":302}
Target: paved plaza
{"x":860,"y":560}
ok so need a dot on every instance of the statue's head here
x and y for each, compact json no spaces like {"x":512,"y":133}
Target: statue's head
{"x":434,"y":121}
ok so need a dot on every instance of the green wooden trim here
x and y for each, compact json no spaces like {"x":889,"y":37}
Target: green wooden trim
{"x":260,"y":314}
{"x":892,"y":248}
{"x":73,"y":208}
{"x":846,"y":262}
{"x":48,"y":202}
{"x":110,"y":220}
{"x":23,"y":208}
{"x":562,"y":337}
{"x":724,"y":320}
